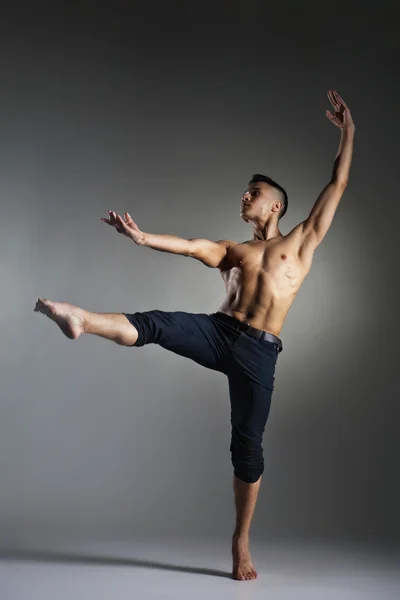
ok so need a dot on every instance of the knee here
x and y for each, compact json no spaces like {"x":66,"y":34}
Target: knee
{"x":128,"y":333}
{"x":248,"y":476}
{"x":125,"y":339}
{"x":247,"y":460}
{"x":127,"y":336}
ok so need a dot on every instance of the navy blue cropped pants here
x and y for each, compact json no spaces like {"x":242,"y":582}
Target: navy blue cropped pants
{"x":249,"y":363}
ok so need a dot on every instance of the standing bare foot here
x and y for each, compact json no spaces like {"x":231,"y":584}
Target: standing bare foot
{"x":242,"y":566}
{"x":68,"y":317}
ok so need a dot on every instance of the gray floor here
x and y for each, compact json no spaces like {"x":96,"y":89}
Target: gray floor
{"x":193,"y":569}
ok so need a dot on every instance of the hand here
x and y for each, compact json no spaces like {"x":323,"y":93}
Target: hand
{"x":342,"y":117}
{"x":127,"y":227}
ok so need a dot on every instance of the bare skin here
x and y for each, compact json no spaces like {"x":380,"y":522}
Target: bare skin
{"x":262,"y":277}
{"x":73,"y":321}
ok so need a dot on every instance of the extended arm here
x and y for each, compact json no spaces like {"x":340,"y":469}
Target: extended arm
{"x":209,"y":253}
{"x":317,"y":224}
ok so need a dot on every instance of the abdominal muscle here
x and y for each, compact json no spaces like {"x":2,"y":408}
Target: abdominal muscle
{"x":260,"y":310}
{"x":262,"y":317}
{"x":261,"y":286}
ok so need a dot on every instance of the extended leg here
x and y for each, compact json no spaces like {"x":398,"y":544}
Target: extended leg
{"x":73,"y":321}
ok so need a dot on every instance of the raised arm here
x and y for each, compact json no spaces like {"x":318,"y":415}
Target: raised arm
{"x":317,"y":224}
{"x":209,"y":253}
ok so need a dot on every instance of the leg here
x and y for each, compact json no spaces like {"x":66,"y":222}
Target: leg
{"x":250,"y":405}
{"x":73,"y":321}
{"x":245,"y":501}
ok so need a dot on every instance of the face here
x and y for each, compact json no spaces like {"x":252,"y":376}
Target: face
{"x":257,"y":201}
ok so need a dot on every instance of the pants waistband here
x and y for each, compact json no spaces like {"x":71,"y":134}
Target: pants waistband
{"x":258,"y":333}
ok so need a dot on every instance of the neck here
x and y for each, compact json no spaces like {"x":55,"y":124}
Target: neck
{"x":265,"y":231}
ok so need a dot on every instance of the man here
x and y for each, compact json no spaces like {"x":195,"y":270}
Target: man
{"x":262,"y":277}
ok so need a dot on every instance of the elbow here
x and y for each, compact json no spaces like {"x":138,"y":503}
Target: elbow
{"x":341,"y":182}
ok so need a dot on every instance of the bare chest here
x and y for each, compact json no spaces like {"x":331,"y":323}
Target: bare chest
{"x":273,"y":263}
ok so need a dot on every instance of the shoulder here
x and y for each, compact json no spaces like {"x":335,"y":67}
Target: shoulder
{"x":227,"y":243}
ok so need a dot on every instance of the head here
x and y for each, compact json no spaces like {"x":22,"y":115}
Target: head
{"x":263,"y":199}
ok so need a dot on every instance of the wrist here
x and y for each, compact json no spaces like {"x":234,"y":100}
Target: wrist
{"x":143,"y":239}
{"x":349,"y":127}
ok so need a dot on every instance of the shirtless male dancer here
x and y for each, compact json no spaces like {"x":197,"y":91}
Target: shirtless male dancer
{"x":262,"y":277}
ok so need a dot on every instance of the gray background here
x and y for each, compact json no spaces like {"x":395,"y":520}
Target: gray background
{"x":166,"y":110}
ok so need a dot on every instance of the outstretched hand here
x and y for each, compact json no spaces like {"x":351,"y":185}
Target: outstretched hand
{"x":342,"y":117}
{"x":125,"y":226}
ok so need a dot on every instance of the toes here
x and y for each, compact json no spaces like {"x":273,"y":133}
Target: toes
{"x":251,"y":574}
{"x":248,"y":575}
{"x":43,"y":305}
{"x":39,"y":303}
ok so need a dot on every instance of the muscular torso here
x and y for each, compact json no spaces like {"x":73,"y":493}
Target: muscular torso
{"x":262,"y":279}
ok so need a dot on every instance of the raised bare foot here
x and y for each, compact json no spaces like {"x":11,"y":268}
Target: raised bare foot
{"x":68,"y":317}
{"x":242,"y":566}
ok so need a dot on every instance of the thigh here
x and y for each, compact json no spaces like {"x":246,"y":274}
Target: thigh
{"x":254,"y":360}
{"x":192,"y":335}
{"x":251,"y":376}
{"x":250,"y":407}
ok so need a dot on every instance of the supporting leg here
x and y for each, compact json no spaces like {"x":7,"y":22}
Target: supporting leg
{"x":245,"y":500}
{"x":250,"y":397}
{"x":73,"y":321}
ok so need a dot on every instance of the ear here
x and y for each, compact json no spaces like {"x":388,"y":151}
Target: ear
{"x":277,"y":205}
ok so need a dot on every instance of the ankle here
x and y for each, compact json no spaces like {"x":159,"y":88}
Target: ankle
{"x":85,"y":320}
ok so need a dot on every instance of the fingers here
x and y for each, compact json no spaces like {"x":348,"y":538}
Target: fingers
{"x":340,"y":99}
{"x":115,"y":221}
{"x":129,"y":219}
{"x":333,"y":100}
{"x":111,"y":220}
{"x":333,"y":119}
{"x":336,"y":100}
{"x":337,"y":97}
{"x":130,"y":222}
{"x":329,"y":115}
{"x":122,"y":226}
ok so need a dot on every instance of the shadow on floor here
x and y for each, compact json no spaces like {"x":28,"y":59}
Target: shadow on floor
{"x":67,"y":557}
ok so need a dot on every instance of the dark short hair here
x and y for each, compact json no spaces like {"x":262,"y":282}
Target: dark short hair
{"x":258,"y":177}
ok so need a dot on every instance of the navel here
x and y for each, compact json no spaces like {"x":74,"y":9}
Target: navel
{"x":283,"y":256}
